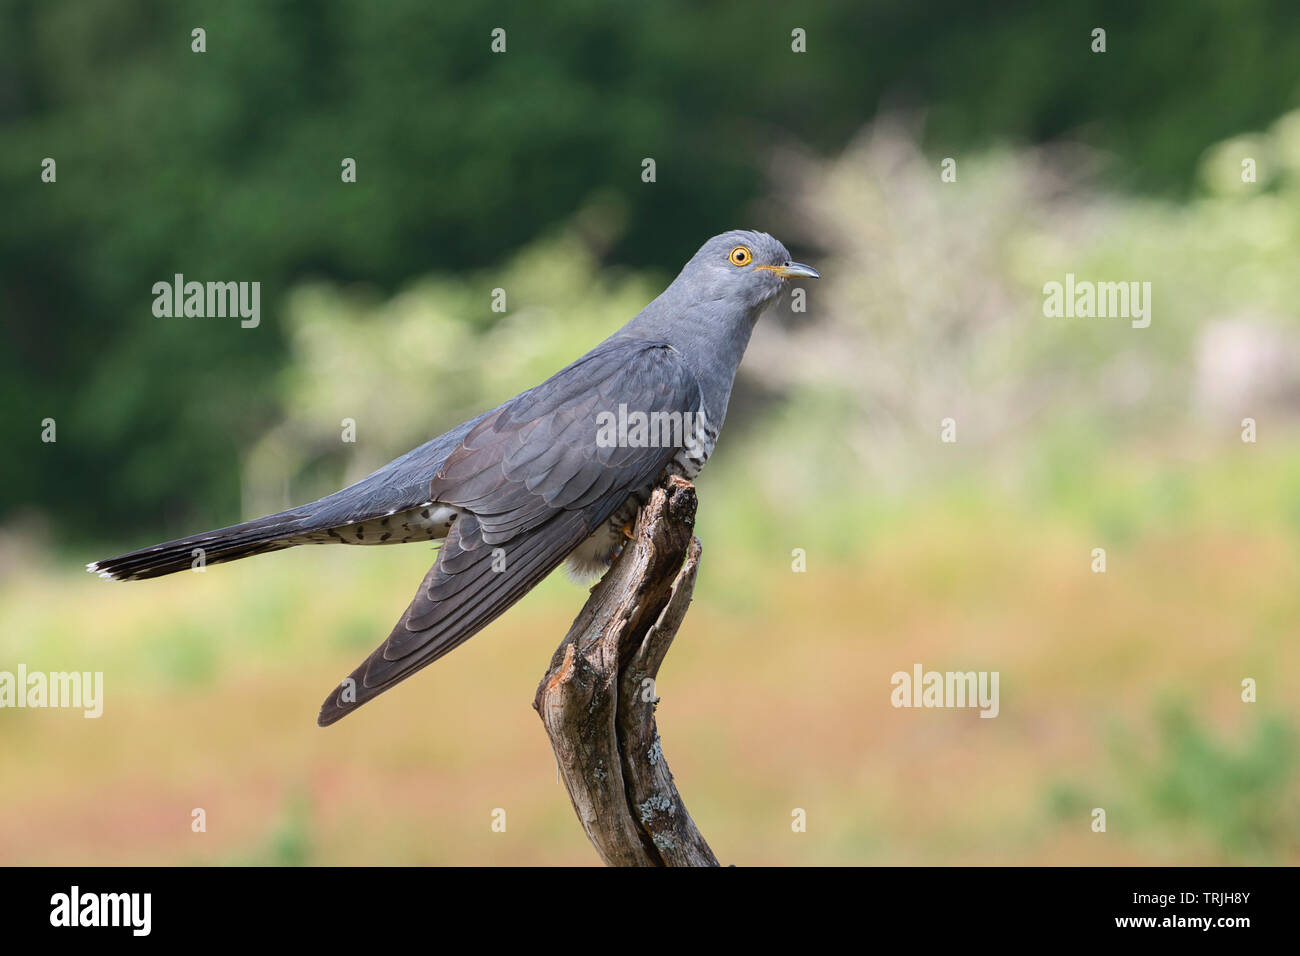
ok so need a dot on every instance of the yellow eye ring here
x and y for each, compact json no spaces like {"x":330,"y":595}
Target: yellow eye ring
{"x":741,"y":256}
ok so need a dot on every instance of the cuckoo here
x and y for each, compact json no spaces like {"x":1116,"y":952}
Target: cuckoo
{"x":554,"y":474}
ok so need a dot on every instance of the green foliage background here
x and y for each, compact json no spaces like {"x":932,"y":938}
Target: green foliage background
{"x":226,"y":165}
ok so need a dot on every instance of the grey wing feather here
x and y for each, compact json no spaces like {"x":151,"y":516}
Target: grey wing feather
{"x":534,"y":483}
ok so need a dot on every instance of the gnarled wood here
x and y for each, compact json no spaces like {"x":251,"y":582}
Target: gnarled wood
{"x":597,"y":700}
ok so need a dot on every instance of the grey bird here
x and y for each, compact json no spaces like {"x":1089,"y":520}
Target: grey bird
{"x":556,"y":472}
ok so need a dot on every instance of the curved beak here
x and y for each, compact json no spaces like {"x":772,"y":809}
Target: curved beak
{"x":793,"y":270}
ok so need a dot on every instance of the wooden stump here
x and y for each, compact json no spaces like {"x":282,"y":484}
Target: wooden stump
{"x":597,"y":700}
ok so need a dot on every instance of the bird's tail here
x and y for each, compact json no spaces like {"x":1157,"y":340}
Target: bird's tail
{"x":198,"y":550}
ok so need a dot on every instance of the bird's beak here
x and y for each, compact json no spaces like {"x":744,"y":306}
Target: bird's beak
{"x":793,"y":270}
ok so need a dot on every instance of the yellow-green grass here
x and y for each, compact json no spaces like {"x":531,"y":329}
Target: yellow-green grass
{"x":1119,"y":690}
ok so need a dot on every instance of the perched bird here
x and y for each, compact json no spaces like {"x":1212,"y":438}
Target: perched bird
{"x":556,"y":472}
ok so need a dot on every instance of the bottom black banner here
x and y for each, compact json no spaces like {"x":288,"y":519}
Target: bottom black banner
{"x":333,"y":904}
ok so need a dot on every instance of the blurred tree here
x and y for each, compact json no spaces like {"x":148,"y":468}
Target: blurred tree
{"x":225,"y":165}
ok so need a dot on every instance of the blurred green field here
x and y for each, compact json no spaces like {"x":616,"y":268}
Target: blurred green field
{"x":1119,"y":691}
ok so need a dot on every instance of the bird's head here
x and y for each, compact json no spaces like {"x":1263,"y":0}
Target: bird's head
{"x":744,"y":268}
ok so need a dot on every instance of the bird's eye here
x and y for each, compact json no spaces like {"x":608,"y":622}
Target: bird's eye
{"x":741,"y":256}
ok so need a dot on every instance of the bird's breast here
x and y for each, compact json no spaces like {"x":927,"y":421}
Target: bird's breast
{"x":690,"y":459}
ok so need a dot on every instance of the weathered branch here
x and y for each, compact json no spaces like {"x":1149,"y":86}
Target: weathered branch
{"x":597,"y":700}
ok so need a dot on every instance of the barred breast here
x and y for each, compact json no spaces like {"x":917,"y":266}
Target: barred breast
{"x":593,"y":557}
{"x":694,"y":453}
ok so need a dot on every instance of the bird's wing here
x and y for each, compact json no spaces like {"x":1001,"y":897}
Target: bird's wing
{"x":533,"y":483}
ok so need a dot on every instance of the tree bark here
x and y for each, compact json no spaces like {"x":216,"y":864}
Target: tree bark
{"x":597,"y":700}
